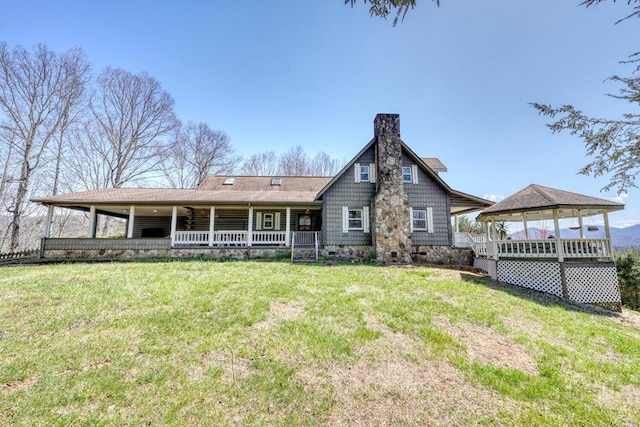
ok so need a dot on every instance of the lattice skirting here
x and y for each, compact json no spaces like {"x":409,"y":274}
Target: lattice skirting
{"x":538,"y":275}
{"x":592,"y":283}
{"x":481,"y":263}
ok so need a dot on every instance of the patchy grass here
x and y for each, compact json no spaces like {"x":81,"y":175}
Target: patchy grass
{"x":251,"y":343}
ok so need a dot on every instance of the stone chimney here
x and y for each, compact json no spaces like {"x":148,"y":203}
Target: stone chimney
{"x":390,"y":207}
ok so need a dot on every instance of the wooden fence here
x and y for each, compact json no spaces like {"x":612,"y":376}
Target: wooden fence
{"x":14,"y":256}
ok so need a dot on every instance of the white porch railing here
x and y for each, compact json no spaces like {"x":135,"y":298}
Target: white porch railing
{"x":268,"y":237}
{"x":191,"y":238}
{"x":229,"y":238}
{"x":545,"y":248}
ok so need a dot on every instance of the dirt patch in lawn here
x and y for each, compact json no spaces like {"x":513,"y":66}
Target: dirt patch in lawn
{"x":396,"y":382}
{"x":486,"y":346}
{"x":279,"y":311}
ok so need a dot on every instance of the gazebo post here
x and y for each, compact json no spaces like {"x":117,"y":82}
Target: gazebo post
{"x":580,"y":223}
{"x":526,"y":226}
{"x":556,"y":225}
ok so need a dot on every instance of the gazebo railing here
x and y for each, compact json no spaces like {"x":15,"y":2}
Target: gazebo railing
{"x":545,"y":248}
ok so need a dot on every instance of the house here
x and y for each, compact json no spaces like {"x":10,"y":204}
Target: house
{"x":387,"y":204}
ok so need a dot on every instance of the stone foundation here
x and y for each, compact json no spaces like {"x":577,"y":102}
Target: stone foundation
{"x":226,"y":253}
{"x":348,"y":253}
{"x":444,"y":255}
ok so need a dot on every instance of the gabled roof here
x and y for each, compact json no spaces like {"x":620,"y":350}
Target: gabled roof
{"x":461,"y":203}
{"x":264,"y":183}
{"x":435,"y":164}
{"x":539,"y":198}
{"x":245,"y":189}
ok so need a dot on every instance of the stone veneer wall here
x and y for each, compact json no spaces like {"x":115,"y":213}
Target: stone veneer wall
{"x":390,"y":222}
{"x":218,"y":253}
{"x":444,"y":255}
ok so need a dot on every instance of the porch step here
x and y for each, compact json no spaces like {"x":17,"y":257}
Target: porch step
{"x":303,"y":255}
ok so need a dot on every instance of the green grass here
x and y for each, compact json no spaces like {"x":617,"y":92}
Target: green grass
{"x":257,"y":343}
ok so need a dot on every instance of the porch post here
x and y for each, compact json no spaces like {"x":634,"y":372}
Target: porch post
{"x":287,"y":227}
{"x":212,"y":219}
{"x":526,"y":226}
{"x":455,"y":220}
{"x":47,"y":227}
{"x":556,"y":225}
{"x":92,"y":222}
{"x":174,"y":223}
{"x":250,"y":227}
{"x":607,"y":232}
{"x":132,"y":215}
{"x":581,"y":225}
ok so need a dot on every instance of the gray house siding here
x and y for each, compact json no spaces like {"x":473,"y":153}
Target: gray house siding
{"x":145,"y":225}
{"x":426,"y":193}
{"x":345,"y":191}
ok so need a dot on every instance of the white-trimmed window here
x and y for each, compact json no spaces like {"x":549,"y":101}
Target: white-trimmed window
{"x":365,"y":173}
{"x":410,"y":174}
{"x":421,"y":219}
{"x":355,"y":219}
{"x":406,"y":174}
{"x":267,"y":221}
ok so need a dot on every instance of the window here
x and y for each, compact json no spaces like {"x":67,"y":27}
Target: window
{"x":419,"y":219}
{"x":228,"y":181}
{"x":364,"y":173}
{"x":406,"y":174}
{"x":268,"y":221}
{"x":276,"y":181}
{"x":355,"y":219}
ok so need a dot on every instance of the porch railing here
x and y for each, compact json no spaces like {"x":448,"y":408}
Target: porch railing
{"x":545,"y":248}
{"x":229,"y":238}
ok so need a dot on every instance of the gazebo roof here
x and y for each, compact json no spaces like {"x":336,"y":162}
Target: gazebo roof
{"x":540,"y":202}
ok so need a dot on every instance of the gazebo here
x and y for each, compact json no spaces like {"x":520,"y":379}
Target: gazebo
{"x":579,"y":268}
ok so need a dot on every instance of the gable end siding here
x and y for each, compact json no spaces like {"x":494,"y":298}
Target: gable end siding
{"x":426,"y":193}
{"x":346,"y":192}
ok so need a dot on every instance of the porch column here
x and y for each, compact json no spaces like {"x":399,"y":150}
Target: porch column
{"x":455,"y":220}
{"x":287,"y":227}
{"x":47,"y":227}
{"x":581,"y":225}
{"x":92,"y":222}
{"x":174,"y":223}
{"x":526,"y":226}
{"x":607,"y":232}
{"x":132,"y":215}
{"x":250,"y":227}
{"x":556,"y":225}
{"x":212,"y":219}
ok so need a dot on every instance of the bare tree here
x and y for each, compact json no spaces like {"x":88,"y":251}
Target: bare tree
{"x":124,"y":140}
{"x":38,"y":88}
{"x":294,"y":163}
{"x":198,"y":151}
{"x":263,"y":164}
{"x":323,"y":165}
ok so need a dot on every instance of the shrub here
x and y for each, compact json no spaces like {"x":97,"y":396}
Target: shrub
{"x":628,"y":267}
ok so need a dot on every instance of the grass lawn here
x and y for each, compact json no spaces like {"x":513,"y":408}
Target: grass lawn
{"x":269,"y":343}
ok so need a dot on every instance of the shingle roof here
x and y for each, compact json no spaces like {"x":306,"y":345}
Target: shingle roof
{"x":435,"y":164}
{"x":536,"y":197}
{"x":245,"y":189}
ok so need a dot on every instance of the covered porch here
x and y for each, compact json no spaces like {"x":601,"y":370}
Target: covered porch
{"x":195,"y":226}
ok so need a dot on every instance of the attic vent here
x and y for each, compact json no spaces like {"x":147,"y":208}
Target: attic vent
{"x":276,"y":181}
{"x":228,"y":181}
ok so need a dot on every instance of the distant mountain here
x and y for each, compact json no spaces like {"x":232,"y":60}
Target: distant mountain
{"x":620,"y":237}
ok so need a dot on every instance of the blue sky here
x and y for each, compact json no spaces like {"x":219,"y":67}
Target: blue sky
{"x":276,"y":74}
